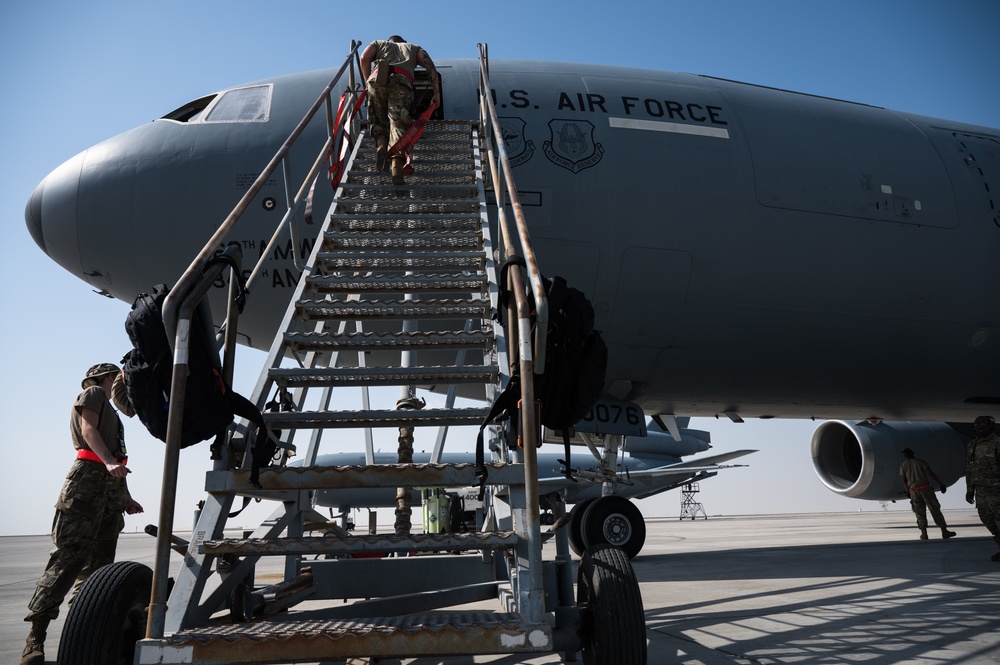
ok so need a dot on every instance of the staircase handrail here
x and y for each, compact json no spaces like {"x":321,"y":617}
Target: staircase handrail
{"x":189,"y":291}
{"x":528,"y":361}
{"x":506,"y":185}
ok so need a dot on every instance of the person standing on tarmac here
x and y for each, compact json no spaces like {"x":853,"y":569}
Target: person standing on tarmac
{"x":916,"y":475}
{"x":89,"y":511}
{"x":390,"y":94}
{"x":982,"y":476}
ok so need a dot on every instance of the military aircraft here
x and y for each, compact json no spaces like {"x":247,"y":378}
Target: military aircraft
{"x":651,"y":465}
{"x":749,"y":251}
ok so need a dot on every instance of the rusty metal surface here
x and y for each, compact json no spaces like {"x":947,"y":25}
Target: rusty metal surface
{"x":394,"y":284}
{"x":373,"y":418}
{"x":379,"y":475}
{"x":463,"y":633}
{"x":427,"y":542}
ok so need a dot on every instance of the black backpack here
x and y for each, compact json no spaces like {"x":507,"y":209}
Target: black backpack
{"x":576,"y":359}
{"x":210,"y":405}
{"x":576,"y":363}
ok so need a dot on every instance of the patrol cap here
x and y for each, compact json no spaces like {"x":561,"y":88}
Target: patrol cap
{"x":99,"y":370}
{"x":985,"y":420}
{"x":907,"y":452}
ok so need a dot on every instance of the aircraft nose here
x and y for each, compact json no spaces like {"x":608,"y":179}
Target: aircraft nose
{"x":33,"y":216}
{"x":51,"y":214}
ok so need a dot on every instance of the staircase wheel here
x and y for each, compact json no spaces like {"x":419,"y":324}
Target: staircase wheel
{"x":576,"y":527}
{"x":614,"y":520}
{"x":107,"y":617}
{"x":613,"y":626}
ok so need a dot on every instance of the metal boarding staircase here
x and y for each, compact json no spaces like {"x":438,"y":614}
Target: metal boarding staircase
{"x":400,"y":291}
{"x":406,"y":258}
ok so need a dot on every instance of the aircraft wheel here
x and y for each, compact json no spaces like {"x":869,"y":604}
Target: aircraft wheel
{"x":613,"y":624}
{"x":576,"y":527}
{"x":614,"y":520}
{"x":108,"y":616}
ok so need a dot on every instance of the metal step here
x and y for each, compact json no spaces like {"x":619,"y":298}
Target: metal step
{"x":377,"y":475}
{"x":428,"y":174}
{"x":433,"y":191}
{"x":383,"y":376}
{"x":403,"y":241}
{"x":401,"y":261}
{"x":373,"y":341}
{"x":388,"y":418}
{"x":287,"y":639}
{"x":406,"y":222}
{"x":393,"y":310}
{"x":397,"y":284}
{"x":406,"y":205}
{"x":362,"y":544}
{"x":429,"y":168}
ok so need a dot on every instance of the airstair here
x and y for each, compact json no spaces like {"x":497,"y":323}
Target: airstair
{"x":394,"y":264}
{"x":399,"y":294}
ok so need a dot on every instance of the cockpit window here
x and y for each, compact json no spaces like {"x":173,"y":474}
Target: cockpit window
{"x":252,"y":104}
{"x":190,"y":111}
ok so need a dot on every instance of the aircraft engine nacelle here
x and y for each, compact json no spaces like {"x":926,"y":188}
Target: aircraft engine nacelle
{"x":661,"y":444}
{"x":862,"y":461}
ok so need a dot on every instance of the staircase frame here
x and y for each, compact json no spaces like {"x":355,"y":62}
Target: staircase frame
{"x":542,"y":614}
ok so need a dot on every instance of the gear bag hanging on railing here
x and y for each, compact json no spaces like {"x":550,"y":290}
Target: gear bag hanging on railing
{"x":576,"y":361}
{"x":210,"y":405}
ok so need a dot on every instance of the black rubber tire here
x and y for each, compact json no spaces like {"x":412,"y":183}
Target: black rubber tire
{"x":614,"y":520}
{"x":107,"y":617}
{"x":576,"y":527}
{"x":613,"y":624}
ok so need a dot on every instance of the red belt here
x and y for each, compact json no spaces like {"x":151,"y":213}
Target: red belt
{"x":396,"y":70}
{"x":922,"y":487}
{"x":91,"y":456}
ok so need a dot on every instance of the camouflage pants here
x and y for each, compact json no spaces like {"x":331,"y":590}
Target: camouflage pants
{"x":389,"y":109}
{"x":85,"y":532}
{"x":988,"y":507}
{"x":920,"y":501}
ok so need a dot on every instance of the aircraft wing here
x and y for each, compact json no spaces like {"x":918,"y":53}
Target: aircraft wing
{"x":663,"y":477}
{"x":704,"y":462}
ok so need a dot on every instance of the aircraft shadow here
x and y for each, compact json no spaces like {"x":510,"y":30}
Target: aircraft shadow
{"x":881,"y":602}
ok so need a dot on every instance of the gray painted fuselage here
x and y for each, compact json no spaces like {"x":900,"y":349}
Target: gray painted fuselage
{"x":746,"y":249}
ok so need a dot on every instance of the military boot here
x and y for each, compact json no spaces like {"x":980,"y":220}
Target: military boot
{"x":947,"y":534}
{"x":397,"y":169}
{"x":923,"y":533}
{"x":34,"y":650}
{"x":381,"y":150}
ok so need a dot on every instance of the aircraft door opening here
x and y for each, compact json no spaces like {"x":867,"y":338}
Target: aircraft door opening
{"x":982,"y":156}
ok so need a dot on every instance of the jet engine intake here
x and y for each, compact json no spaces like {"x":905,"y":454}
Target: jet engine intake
{"x":861,"y":460}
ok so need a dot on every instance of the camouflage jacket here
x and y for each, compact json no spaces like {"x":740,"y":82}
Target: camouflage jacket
{"x":982,"y":465}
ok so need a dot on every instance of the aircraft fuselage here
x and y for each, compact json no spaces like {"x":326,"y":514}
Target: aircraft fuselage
{"x":746,"y":249}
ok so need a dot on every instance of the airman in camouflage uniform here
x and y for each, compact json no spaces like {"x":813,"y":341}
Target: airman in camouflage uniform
{"x":89,"y":511}
{"x":982,"y":476}
{"x":390,"y":93}
{"x":916,"y":475}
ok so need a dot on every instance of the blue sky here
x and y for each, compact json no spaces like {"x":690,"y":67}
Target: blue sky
{"x":77,"y":73}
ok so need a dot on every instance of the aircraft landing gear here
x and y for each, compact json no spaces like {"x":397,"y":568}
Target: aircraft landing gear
{"x":108,"y":616}
{"x":609,"y":520}
{"x":613,"y":623}
{"x":576,"y":527}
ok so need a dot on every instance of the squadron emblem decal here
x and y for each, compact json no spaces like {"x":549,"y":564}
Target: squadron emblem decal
{"x":518,"y":148}
{"x":572,"y":146}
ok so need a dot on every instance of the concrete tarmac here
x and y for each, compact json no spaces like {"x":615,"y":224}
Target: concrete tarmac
{"x":820,"y":588}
